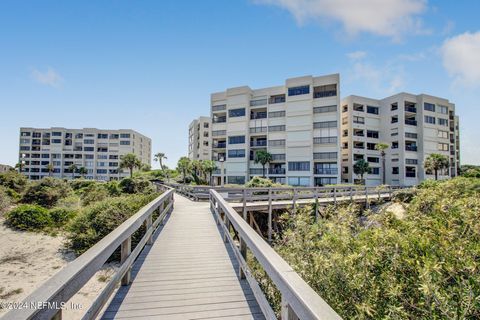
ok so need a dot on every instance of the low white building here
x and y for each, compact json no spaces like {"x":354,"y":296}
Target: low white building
{"x":199,"y":139}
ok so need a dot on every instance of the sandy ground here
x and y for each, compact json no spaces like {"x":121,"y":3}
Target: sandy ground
{"x":28,"y":259}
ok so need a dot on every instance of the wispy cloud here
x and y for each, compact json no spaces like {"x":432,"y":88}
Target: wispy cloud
{"x":49,"y":77}
{"x":390,"y":18}
{"x":461,"y":58}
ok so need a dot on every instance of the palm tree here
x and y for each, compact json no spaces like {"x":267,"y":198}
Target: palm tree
{"x":196,"y":167}
{"x":263,"y":157}
{"x":50,"y":169}
{"x":382,"y":147}
{"x":183,"y":166}
{"x":361,"y":167}
{"x":20,"y":166}
{"x":83,"y":171}
{"x":130,"y":161}
{"x":435,"y":162}
{"x":159,"y":157}
{"x":73,"y":168}
{"x":208,"y":166}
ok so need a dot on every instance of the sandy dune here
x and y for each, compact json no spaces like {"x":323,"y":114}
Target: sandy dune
{"x":27,"y":259}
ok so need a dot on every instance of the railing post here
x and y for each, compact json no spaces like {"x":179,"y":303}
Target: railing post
{"x":245,"y":212}
{"x":270,"y":215}
{"x":366,"y":197}
{"x":294,"y":200}
{"x":243,"y":252}
{"x":126,"y":249}
{"x":334,"y":195}
{"x":226,"y":222}
{"x":351,"y":194}
{"x":390,"y":191}
{"x":316,"y":203}
{"x":379,"y":194}
{"x":287,"y":312}
{"x":148,"y":225}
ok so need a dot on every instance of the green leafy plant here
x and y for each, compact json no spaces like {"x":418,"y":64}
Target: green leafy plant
{"x":46,"y":192}
{"x":29,"y":217}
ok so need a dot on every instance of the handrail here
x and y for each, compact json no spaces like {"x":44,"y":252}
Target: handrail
{"x":299,"y":300}
{"x":57,"y":290}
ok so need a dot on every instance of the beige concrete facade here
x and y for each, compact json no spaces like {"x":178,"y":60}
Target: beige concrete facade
{"x":5,"y":168}
{"x":199,"y":139}
{"x":297,"y":122}
{"x":414,"y":126}
{"x":99,"y":151}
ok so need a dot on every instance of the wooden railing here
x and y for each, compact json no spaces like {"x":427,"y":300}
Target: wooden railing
{"x":46,"y":301}
{"x":299,"y":300}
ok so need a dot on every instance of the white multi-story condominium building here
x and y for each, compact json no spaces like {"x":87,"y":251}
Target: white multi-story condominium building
{"x":5,"y":168}
{"x":199,"y":139}
{"x":297,"y":123}
{"x":414,"y":126}
{"x":99,"y":151}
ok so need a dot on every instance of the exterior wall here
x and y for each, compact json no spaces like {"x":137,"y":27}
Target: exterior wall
{"x":5,"y":168}
{"x":99,"y":151}
{"x":402,"y":124}
{"x":199,"y":139}
{"x":298,"y":127}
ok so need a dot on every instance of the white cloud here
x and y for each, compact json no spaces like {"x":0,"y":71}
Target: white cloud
{"x":391,"y":18}
{"x":356,"y":55}
{"x":461,"y":58}
{"x":49,"y":77}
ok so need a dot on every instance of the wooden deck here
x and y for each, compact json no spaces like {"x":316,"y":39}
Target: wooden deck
{"x":188,"y":273}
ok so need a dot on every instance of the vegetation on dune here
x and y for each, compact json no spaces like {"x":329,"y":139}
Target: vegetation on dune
{"x":29,"y":217}
{"x":46,"y":192}
{"x":377,"y":266}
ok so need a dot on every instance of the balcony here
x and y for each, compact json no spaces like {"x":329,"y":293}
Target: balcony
{"x":220,"y":119}
{"x":258,"y":129}
{"x":410,"y":148}
{"x":258,"y":143}
{"x":257,"y":171}
{"x":276,"y":171}
{"x":325,"y":170}
{"x":220,"y":145}
{"x":411,"y":109}
{"x":258,"y":115}
{"x":277,"y":99}
{"x":411,"y":122}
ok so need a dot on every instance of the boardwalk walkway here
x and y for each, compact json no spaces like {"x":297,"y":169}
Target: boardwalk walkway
{"x":188,"y":273}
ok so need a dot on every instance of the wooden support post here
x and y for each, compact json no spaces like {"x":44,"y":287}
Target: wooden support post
{"x":243,"y":252}
{"x":148,"y":225}
{"x":390,"y":191}
{"x":227,"y":227}
{"x":287,"y":312}
{"x":161,"y":208}
{"x":294,"y":200}
{"x":245,"y":212}
{"x":58,"y":315}
{"x":351,"y":194}
{"x":315,"y":190}
{"x":125,"y":250}
{"x":366,"y":198}
{"x":379,"y":197}
{"x":270,"y":215}
{"x":334,"y":195}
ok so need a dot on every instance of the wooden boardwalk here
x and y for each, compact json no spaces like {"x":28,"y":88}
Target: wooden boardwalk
{"x":188,"y":273}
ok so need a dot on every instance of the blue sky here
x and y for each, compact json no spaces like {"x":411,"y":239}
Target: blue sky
{"x":151,"y":65}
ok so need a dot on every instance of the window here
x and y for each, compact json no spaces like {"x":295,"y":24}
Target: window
{"x":443,"y":109}
{"x":358,"y":107}
{"x":325,"y":109}
{"x":258,"y":102}
{"x":112,"y":157}
{"x":345,"y":108}
{"x":219,"y":133}
{"x":443,"y":146}
{"x":56,"y":134}
{"x":325,"y":180}
{"x":56,"y":141}
{"x":325,"y":168}
{"x":373,"y":159}
{"x":325,"y":140}
{"x":88,"y":141}
{"x":236,"y":179}
{"x":411,"y":161}
{"x":236,"y":153}
{"x":443,"y":122}
{"x":45,"y":156}
{"x":240,"y":112}
{"x":276,"y":114}
{"x":299,"y":181}
{"x":329,"y":90}
{"x":295,"y":91}
{"x":114,"y":136}
{"x":276,"y":143}
{"x":279,"y":98}
{"x":375,"y":171}
{"x":236,"y":139}
{"x":125,"y":135}
{"x":278,"y":157}
{"x":395,"y":145}
{"x":442,"y":134}
{"x":276,"y":128}
{"x":394,"y":119}
{"x":429,"y":107}
{"x":372,"y":134}
{"x":24,"y":141}
{"x":371,"y":146}
{"x":102,"y":136}
{"x":372,"y":109}
{"x":102,"y":171}
{"x":299,"y":166}
{"x":219,"y":107}
{"x":394,"y":106}
{"x":124,"y":142}
{"x":410,"y":135}
{"x":325,"y":124}
{"x":25,"y":134}
{"x":325,"y":155}
{"x":360,"y":120}
{"x":395,"y":170}
{"x":429,"y":119}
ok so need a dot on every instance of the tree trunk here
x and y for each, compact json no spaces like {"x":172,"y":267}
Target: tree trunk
{"x":131,"y":172}
{"x":436,"y":174}
{"x":383,"y":168}
{"x":263,"y":170}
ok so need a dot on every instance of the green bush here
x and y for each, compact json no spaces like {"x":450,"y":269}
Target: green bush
{"x":13,"y":180}
{"x":404,"y":195}
{"x":79,"y":184}
{"x":99,"y":219}
{"x":259,"y":182}
{"x":71,"y":202}
{"x":29,"y":217}
{"x":113,"y":188}
{"x":5,"y":200}
{"x":424,"y":266}
{"x":46,"y":192}
{"x":136,"y":185}
{"x":60,"y":216}
{"x":94,"y":193}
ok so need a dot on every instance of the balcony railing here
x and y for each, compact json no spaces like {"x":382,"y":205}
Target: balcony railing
{"x":258,"y":143}
{"x":219,"y":120}
{"x":257,"y":171}
{"x":411,"y":122}
{"x":324,"y":94}
{"x":258,"y":129}
{"x":325,"y":170}
{"x":276,"y":171}
{"x":220,"y":145}
{"x":258,"y":115}
{"x":410,"y":148}
{"x":410,"y":109}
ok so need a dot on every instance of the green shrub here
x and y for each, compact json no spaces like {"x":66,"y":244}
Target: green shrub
{"x":259,"y":182}
{"x":13,"y":180}
{"x":71,"y":202}
{"x":46,"y":192}
{"x":29,"y":217}
{"x":79,"y":184}
{"x":60,"y":216}
{"x":424,"y":266}
{"x":5,"y":200}
{"x":136,"y":185}
{"x":404,"y":195}
{"x":99,"y":219}
{"x":113,"y":188}
{"x":94,"y":193}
